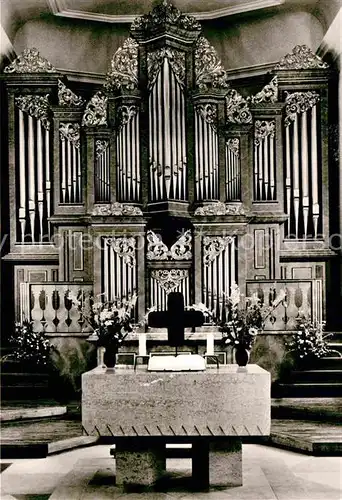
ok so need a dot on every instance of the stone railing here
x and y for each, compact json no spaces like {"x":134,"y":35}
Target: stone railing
{"x":303,"y":297}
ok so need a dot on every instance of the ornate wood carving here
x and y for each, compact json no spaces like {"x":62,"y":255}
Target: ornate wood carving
{"x":213,"y":246}
{"x":68,"y":98}
{"x":126,"y":113}
{"x":125,"y":248}
{"x":234,"y":146}
{"x":169,"y":280}
{"x":30,"y":61}
{"x":116,"y":209}
{"x":301,"y":57}
{"x":298,"y":102}
{"x":209,"y":71}
{"x":208,"y":112}
{"x":95,"y":113}
{"x":268,"y":94}
{"x":124,"y":67}
{"x":180,"y":250}
{"x":36,"y":106}
{"x":262,"y":129}
{"x":71,"y":132}
{"x":220,"y":208}
{"x":155,"y":60}
{"x":237,"y":110}
{"x":100,"y":147}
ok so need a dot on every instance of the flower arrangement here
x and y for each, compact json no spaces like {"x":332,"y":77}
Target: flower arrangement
{"x":309,"y":341}
{"x":111,"y":321}
{"x":30,"y":345}
{"x":245,"y":317}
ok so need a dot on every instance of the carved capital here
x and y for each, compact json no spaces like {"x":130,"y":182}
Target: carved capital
{"x":36,"y":106}
{"x":213,"y":246}
{"x":156,"y":58}
{"x":301,"y":57}
{"x":126,"y":113}
{"x":209,"y":71}
{"x":234,"y":146}
{"x":125,"y":248}
{"x":169,"y":280}
{"x":262,"y":129}
{"x":237,"y":110}
{"x":208,"y":112}
{"x":100,"y":147}
{"x":70,"y":132}
{"x":219,"y":208}
{"x":95,"y":113}
{"x":298,"y":102}
{"x":123,"y":71}
{"x":268,"y":94}
{"x":68,"y":98}
{"x":30,"y":61}
{"x":116,"y":209}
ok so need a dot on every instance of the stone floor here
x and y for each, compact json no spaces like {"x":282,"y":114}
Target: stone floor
{"x":88,"y":474}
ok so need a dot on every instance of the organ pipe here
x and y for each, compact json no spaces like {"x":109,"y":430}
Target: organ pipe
{"x":40,"y":176}
{"x":314,"y":163}
{"x":22,"y":176}
{"x":31,"y":176}
{"x":296,"y":194}
{"x":305,"y":172}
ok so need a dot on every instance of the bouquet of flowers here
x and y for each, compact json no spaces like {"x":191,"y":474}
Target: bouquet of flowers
{"x":309,"y":341}
{"x":111,"y":321}
{"x":245,"y":318}
{"x":29,"y":345}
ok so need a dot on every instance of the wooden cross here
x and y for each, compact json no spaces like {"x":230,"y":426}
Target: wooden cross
{"x":175,"y":318}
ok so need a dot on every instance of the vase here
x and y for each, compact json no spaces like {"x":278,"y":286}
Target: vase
{"x":241,"y":356}
{"x":109,"y":357}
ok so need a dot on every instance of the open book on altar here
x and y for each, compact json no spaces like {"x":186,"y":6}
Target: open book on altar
{"x":180,"y":363}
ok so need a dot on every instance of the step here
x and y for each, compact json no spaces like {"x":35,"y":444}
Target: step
{"x":336,"y":346}
{"x":329,"y":362}
{"x":316,"y":376}
{"x":307,"y":390}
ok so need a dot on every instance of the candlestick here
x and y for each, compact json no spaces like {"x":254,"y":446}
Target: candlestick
{"x":100,"y":357}
{"x":210,"y":343}
{"x":142,"y":344}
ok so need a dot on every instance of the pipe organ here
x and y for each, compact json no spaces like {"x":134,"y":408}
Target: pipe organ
{"x":236,"y":184}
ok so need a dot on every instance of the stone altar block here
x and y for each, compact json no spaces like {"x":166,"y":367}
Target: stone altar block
{"x":142,"y":411}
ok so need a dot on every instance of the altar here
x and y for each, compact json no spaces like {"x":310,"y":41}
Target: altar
{"x":141,"y":411}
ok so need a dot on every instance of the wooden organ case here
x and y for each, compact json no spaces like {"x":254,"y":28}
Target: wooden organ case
{"x":168,"y":178}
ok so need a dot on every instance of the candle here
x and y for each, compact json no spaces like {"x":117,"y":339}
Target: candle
{"x":210,"y":343}
{"x":100,"y":357}
{"x":142,"y":344}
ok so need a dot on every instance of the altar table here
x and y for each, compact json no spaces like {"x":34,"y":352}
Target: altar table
{"x":142,"y":411}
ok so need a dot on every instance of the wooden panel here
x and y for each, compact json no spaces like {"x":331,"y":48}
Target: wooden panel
{"x":77,"y":241}
{"x":259,"y":249}
{"x":299,"y":273}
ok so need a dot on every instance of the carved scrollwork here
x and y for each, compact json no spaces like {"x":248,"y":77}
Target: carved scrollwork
{"x":268,"y":94}
{"x":70,"y":132}
{"x":36,"y":106}
{"x":301,"y":57}
{"x":298,"y":102}
{"x":67,"y":97}
{"x":237,"y":108}
{"x":123,"y":71}
{"x":208,"y":112}
{"x":234,"y":146}
{"x":262,"y":129}
{"x":126,"y":113}
{"x":213,"y":246}
{"x":100,"y":147}
{"x":156,"y":58}
{"x":95,"y":113}
{"x":30,"y":61}
{"x":209,"y":71}
{"x":116,"y":209}
{"x":125,"y":248}
{"x":162,"y":15}
{"x":169,"y":280}
{"x":220,"y":208}
{"x":180,"y":250}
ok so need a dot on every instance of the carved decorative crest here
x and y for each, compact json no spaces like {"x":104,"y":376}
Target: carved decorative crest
{"x":157,"y":250}
{"x":156,"y":58}
{"x":208,"y":112}
{"x":219,"y":208}
{"x":100,"y":147}
{"x":116,"y":209}
{"x":70,"y":132}
{"x":123,"y":72}
{"x":163,"y":15}
{"x":237,"y":108}
{"x":36,"y":106}
{"x":96,"y":111}
{"x":301,"y":57}
{"x":126,"y":113}
{"x":262,"y":129}
{"x":298,"y":102}
{"x":213,"y":246}
{"x":209,"y":71}
{"x":268,"y":94}
{"x":125,"y":248}
{"x":169,"y":280}
{"x":234,"y":146}
{"x":67,"y":97}
{"x":30,"y":61}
